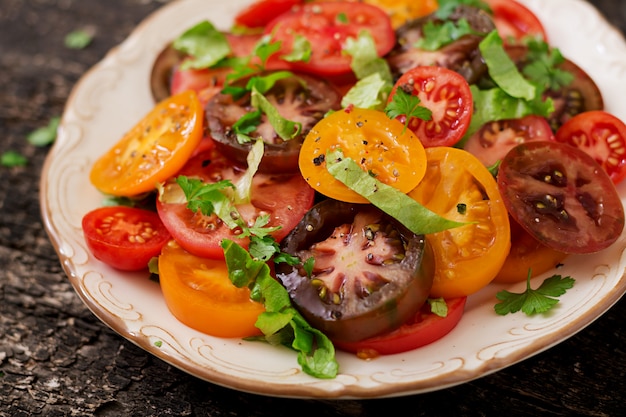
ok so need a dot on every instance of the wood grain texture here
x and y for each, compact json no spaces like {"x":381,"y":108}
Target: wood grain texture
{"x":57,"y":359}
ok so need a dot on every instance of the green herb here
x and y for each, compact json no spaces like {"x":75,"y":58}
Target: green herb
{"x":285,"y":128}
{"x":392,"y":201}
{"x":78,"y":39}
{"x":45,"y":135}
{"x":343,"y":18}
{"x":438,"y":306}
{"x":437,"y":35}
{"x":301,"y":50}
{"x":280,"y":323}
{"x":447,"y":7}
{"x":542,"y":67}
{"x":534,"y":301}
{"x":405,"y":104}
{"x":204,"y":44}
{"x":158,"y":343}
{"x":13,"y":159}
{"x":493,"y":169}
{"x":246,"y":125}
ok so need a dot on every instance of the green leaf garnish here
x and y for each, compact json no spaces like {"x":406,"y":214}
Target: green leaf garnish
{"x":437,"y":35}
{"x":392,"y":201}
{"x":204,"y":44}
{"x":542,"y":67}
{"x":447,"y":7}
{"x":44,"y":135}
{"x":78,"y":39}
{"x":285,"y":128}
{"x":534,"y":301}
{"x":13,"y":159}
{"x":301,"y":50}
{"x":405,"y":104}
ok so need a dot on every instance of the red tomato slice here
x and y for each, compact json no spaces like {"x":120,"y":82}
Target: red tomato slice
{"x":514,"y":20}
{"x":260,"y":13}
{"x":125,"y":238}
{"x":286,"y":198}
{"x":561,"y":196}
{"x":447,"y":95}
{"x":327,"y":26}
{"x":492,"y":141}
{"x":601,"y":135}
{"x":425,"y":328}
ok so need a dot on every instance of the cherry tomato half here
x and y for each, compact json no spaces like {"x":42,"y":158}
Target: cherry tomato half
{"x":285,"y":198}
{"x":381,"y":146}
{"x":514,"y":20}
{"x":601,"y":135}
{"x":152,"y":151}
{"x":459,"y":187}
{"x":447,"y":95}
{"x":561,"y":196}
{"x":199,"y":294}
{"x":327,"y":26}
{"x":125,"y":238}
{"x":423,"y":329}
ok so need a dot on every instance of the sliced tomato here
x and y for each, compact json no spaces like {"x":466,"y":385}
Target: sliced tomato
{"x":199,"y":294}
{"x":125,"y":238}
{"x":516,"y":21}
{"x":459,"y":187}
{"x":601,"y":135}
{"x":261,"y":12}
{"x":447,"y":95}
{"x":561,"y":196}
{"x":285,"y":198}
{"x":381,"y":146}
{"x":495,"y":139}
{"x":152,"y":151}
{"x":205,"y":82}
{"x":401,"y":11}
{"x":327,"y":26}
{"x":527,"y":256}
{"x":423,"y":329}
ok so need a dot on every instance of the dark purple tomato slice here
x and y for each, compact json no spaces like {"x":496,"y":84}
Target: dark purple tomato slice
{"x":370,"y":274}
{"x":561,"y":196}
{"x":300,"y":98}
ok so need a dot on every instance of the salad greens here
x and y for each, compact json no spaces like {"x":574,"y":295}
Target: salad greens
{"x":534,"y":301}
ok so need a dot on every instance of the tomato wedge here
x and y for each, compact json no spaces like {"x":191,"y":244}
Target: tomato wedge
{"x":152,"y":151}
{"x":381,"y":146}
{"x":447,"y":95}
{"x":459,"y":187}
{"x":199,"y":294}
{"x":425,"y":328}
{"x":125,"y":238}
{"x":327,"y":26}
{"x":601,"y":135}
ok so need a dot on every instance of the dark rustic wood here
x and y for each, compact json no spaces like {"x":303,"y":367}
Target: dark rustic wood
{"x":57,"y":359}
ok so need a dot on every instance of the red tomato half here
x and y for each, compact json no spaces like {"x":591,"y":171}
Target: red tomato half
{"x":514,"y":20}
{"x":425,"y":328}
{"x":601,"y":135}
{"x":327,"y":26}
{"x":447,"y":95}
{"x":262,"y":12}
{"x":286,"y":198}
{"x":125,"y":238}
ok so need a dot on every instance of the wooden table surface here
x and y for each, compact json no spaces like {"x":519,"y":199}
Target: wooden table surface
{"x":58,"y":359}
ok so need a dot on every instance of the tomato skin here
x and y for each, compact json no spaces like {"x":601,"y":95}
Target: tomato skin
{"x":495,"y":139}
{"x":261,"y":12}
{"x":527,"y":255}
{"x":199,"y":294}
{"x":284,"y":197}
{"x":379,"y":145}
{"x":514,"y":20}
{"x":447,"y":95}
{"x":467,"y":258}
{"x":323,"y":26}
{"x":424,"y":329}
{"x":152,"y":151}
{"x":561,"y":196}
{"x":124,"y":238}
{"x":601,"y":135}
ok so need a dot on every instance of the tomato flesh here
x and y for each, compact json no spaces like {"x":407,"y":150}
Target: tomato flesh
{"x":125,"y":238}
{"x":561,"y":196}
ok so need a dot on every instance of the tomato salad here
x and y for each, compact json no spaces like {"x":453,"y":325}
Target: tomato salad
{"x":345,"y":174}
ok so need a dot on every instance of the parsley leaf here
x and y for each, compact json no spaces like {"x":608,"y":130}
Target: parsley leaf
{"x":542,"y":67}
{"x":534,"y":301}
{"x":204,"y":44}
{"x":13,"y":159}
{"x":44,"y":135}
{"x":447,"y":7}
{"x":405,"y":104}
{"x":438,"y":35}
{"x":78,"y":39}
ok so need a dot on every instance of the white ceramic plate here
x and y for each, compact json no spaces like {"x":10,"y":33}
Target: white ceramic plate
{"x":115,"y":94}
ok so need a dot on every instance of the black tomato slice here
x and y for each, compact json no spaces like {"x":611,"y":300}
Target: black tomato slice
{"x":370,"y":273}
{"x":561,"y":196}
{"x":299,"y":98}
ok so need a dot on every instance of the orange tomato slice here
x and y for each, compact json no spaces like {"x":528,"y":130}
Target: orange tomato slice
{"x":381,"y":146}
{"x":459,"y":187}
{"x":153,"y":150}
{"x":199,"y":294}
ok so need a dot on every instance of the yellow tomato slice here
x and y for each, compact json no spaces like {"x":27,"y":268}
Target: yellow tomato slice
{"x":459,"y":187}
{"x":401,"y":11}
{"x":199,"y":294}
{"x":153,"y":150}
{"x":381,"y":146}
